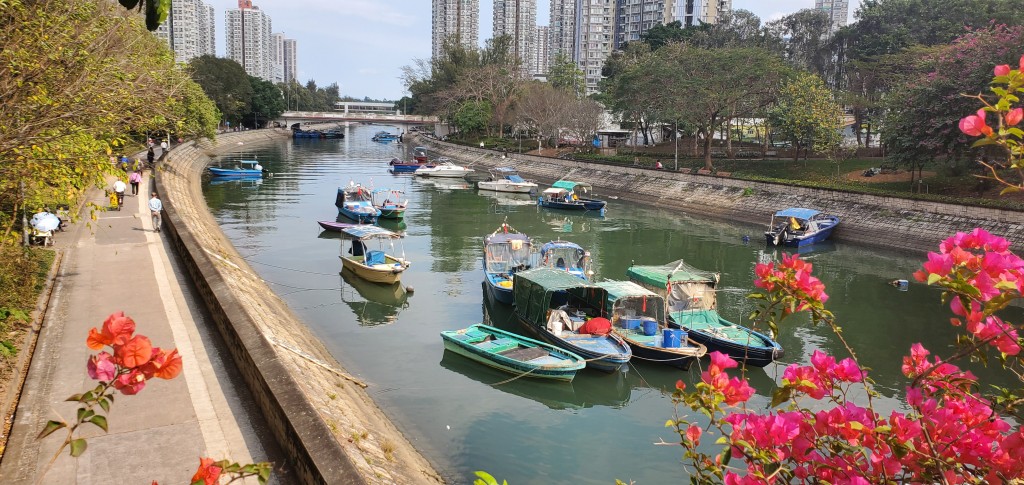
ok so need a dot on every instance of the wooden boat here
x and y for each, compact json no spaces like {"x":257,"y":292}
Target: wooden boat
{"x":566,"y":256}
{"x":506,"y":179}
{"x":569,"y":195}
{"x":513,"y":353}
{"x":389,"y":202}
{"x":630,"y":306}
{"x":401,"y":166}
{"x":559,"y":307}
{"x":353,"y":201}
{"x":798,"y":227}
{"x":693,"y":306}
{"x":505,"y":252}
{"x":372,"y":265}
{"x":446,"y":170}
{"x":245,"y":168}
{"x":335,"y":226}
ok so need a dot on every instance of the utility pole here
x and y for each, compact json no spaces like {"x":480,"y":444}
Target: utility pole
{"x":675,"y":136}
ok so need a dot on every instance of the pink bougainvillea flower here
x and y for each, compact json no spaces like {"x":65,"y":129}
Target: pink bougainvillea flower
{"x":135,"y":352}
{"x":116,"y":330}
{"x":974,"y":125}
{"x":693,"y":434}
{"x":1002,"y":70}
{"x":163,"y":365}
{"x":101,"y":367}
{"x":1014,"y":116}
{"x":208,"y":472}
{"x":131,"y":383}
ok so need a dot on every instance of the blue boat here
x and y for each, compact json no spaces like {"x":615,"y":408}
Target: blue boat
{"x":568,"y":257}
{"x":560,"y":309}
{"x":384,"y":137}
{"x":796,"y":227}
{"x":513,"y":353}
{"x":505,"y":252}
{"x":638,"y":316}
{"x":354,"y":202}
{"x":402,"y":166}
{"x":569,"y":195}
{"x":245,"y":168}
{"x":693,"y":306}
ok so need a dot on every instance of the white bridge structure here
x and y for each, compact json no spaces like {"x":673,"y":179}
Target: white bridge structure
{"x":355,"y":111}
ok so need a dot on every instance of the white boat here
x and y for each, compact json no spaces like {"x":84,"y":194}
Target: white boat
{"x":446,"y":169}
{"x":506,"y":179}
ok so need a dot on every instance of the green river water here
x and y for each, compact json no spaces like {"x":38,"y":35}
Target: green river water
{"x":464,"y":416}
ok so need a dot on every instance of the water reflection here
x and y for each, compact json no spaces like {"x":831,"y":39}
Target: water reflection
{"x":372,"y":303}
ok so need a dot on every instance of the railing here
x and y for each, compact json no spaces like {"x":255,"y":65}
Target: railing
{"x":289,"y":117}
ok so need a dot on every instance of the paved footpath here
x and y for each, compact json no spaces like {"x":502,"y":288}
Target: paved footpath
{"x":119,"y":263}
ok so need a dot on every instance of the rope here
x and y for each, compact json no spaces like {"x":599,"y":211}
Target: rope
{"x":289,"y":269}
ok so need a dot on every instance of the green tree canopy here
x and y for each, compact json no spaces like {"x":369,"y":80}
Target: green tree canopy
{"x":565,"y":74}
{"x":807,"y":115}
{"x":267,"y":102}
{"x":226,"y":83}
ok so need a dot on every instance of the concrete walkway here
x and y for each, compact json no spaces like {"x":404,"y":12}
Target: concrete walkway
{"x":119,"y":263}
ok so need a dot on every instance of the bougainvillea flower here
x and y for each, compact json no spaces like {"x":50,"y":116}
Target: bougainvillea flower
{"x":135,"y":352}
{"x":101,"y":367}
{"x":1014,"y":116}
{"x":974,"y":125}
{"x":1002,"y":70}
{"x":116,"y":330}
{"x":163,"y":365}
{"x":130,"y":383}
{"x":208,"y":472}
{"x":693,"y":434}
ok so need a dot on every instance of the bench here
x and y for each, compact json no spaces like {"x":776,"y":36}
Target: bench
{"x":703,"y":171}
{"x":723,"y":174}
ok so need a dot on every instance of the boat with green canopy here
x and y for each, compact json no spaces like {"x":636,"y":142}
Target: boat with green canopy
{"x":693,"y":306}
{"x":638,"y":316}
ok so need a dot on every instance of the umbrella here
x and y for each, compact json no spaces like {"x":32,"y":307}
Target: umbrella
{"x":45,"y":221}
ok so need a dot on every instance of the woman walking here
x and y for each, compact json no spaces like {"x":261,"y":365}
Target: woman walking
{"x":135,"y":179}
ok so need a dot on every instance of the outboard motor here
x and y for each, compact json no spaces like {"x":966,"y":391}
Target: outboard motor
{"x":340,"y":199}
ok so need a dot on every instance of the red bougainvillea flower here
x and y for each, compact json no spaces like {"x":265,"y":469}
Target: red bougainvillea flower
{"x":974,"y":125}
{"x":101,"y":367}
{"x":693,"y":434}
{"x":131,"y":383}
{"x":117,"y":329}
{"x":136,"y":352}
{"x":208,"y":472}
{"x":1002,"y":70}
{"x":163,"y":365}
{"x":1014,"y":116}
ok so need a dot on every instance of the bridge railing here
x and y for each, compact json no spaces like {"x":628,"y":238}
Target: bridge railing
{"x":338,"y":116}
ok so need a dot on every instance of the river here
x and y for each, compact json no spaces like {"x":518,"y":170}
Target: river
{"x":463,"y":416}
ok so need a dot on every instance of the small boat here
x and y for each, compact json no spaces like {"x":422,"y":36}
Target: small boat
{"x":353,"y":201}
{"x":445,"y":169}
{"x":419,"y":154}
{"x":298,"y":132}
{"x":389,"y":202}
{"x":513,"y":353}
{"x":797,"y":227}
{"x":335,"y":226}
{"x":693,"y":306}
{"x":505,"y":252}
{"x":333,"y":133}
{"x":245,"y":168}
{"x":638,"y":316}
{"x":569,"y":195}
{"x":401,"y":166}
{"x":564,"y":311}
{"x":568,"y":257}
{"x":506,"y":179}
{"x":372,"y":265}
{"x":384,"y":137}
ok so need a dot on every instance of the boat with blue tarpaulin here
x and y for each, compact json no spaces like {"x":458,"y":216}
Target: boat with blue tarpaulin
{"x":245,"y":168}
{"x":506,"y":179}
{"x":797,"y":226}
{"x":354,"y":202}
{"x":513,"y":353}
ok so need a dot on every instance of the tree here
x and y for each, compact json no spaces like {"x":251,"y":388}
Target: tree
{"x":225,"y":82}
{"x":542,"y":109}
{"x":807,"y":115}
{"x":804,"y":37}
{"x":472,"y":116}
{"x":628,"y":89}
{"x":582,"y":119}
{"x":565,"y":74}
{"x":267,"y":102}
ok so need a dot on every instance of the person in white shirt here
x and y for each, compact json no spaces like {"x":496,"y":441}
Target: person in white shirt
{"x":156,"y":207}
{"x":119,"y":188}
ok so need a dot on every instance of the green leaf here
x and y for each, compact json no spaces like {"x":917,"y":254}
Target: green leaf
{"x":1009,"y":190}
{"x":484,"y":479}
{"x":50,"y":427}
{"x":100,"y":421}
{"x":781,"y":395}
{"x":75,"y":397}
{"x":84,"y":414}
{"x":105,"y":404}
{"x":670,"y":423}
{"x":78,"y":447}
{"x":264,"y":476}
{"x":726,"y":456}
{"x":983,"y":142}
{"x":933,"y":278}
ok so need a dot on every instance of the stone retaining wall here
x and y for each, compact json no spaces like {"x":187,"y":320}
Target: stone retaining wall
{"x":903,"y":224}
{"x":328,"y":427}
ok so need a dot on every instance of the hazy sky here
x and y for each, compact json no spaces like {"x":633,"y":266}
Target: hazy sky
{"x":362,"y":44}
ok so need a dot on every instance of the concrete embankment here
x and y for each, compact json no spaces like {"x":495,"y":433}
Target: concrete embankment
{"x":327,"y":425}
{"x":890,"y":222}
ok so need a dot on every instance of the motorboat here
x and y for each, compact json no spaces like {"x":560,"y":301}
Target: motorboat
{"x":354,"y":202}
{"x":506,"y":179}
{"x":798,"y":227}
{"x":446,"y":170}
{"x":245,"y":168}
{"x":373,"y":265}
{"x":569,"y":195}
{"x":389,"y":202}
{"x":401,"y":166}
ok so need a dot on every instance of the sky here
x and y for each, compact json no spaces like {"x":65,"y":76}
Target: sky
{"x":363,"y":44}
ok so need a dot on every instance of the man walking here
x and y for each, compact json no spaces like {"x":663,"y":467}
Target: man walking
{"x":156,"y":207}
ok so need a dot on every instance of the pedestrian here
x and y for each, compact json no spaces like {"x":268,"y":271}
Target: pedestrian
{"x":155,"y":208}
{"x":124,"y":164}
{"x":150,"y":156}
{"x":137,"y":165}
{"x":119,"y":188}
{"x":135,"y":179}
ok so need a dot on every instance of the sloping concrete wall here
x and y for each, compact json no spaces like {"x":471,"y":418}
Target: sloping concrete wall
{"x":891,"y":222}
{"x":312,"y":406}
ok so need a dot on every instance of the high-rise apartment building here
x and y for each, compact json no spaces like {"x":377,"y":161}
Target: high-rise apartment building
{"x":695,"y":12}
{"x":247,"y":34}
{"x":562,"y":28}
{"x":291,"y":60}
{"x":636,"y":17}
{"x":541,"y":52}
{"x":595,"y":21}
{"x":277,"y":56}
{"x":455,"y":19}
{"x":518,"y":20}
{"x":837,"y":10}
{"x":189,"y":30}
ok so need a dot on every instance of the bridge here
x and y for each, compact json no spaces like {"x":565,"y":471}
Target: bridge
{"x":312,"y":117}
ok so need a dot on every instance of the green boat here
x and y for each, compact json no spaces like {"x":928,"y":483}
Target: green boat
{"x":693,"y":306}
{"x":513,"y":353}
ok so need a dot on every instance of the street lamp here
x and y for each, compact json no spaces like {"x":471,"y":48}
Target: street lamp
{"x":675,"y":136}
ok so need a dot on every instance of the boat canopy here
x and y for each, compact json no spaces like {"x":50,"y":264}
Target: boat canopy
{"x":627,"y":299}
{"x":797,"y":212}
{"x":539,"y":290}
{"x":510,"y":174}
{"x":562,"y":247}
{"x":685,"y":287}
{"x":580,"y":187}
{"x":555,"y":191}
{"x":420,"y":149}
{"x":506,"y":252}
{"x":249,"y":162}
{"x":370,"y":232}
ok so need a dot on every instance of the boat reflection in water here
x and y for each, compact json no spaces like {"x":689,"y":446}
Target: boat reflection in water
{"x":372,"y":303}
{"x":242,"y":181}
{"x":442,"y":183}
{"x":508,"y":198}
{"x":562,"y":221}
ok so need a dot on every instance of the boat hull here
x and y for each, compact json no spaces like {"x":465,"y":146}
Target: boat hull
{"x":580,"y":205}
{"x":397,"y":213}
{"x":406,"y":167}
{"x":375,"y":275}
{"x":611,"y":357}
{"x":651,"y":349}
{"x":796,"y":242}
{"x":334,"y":226}
{"x":558,"y":365}
{"x":500,"y":293}
{"x":229,"y":172}
{"x":745,"y":346}
{"x":451,"y":174}
{"x":358,"y":216}
{"x":506,"y":186}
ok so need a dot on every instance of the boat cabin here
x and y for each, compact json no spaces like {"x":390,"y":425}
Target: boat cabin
{"x":628,"y":300}
{"x":568,"y":257}
{"x":581,"y":190}
{"x":507,"y":173}
{"x":506,"y":253}
{"x":689,"y":289}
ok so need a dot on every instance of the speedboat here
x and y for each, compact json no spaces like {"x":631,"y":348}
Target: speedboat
{"x":245,"y":168}
{"x":354,"y":201}
{"x":506,"y":179}
{"x":798,"y":227}
{"x":446,"y":169}
{"x":401,"y":166}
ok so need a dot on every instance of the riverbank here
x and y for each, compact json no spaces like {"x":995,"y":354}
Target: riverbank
{"x":328,"y":426}
{"x":889,"y":222}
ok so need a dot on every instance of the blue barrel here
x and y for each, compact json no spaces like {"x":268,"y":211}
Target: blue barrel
{"x":631,"y":323}
{"x":650,"y":326}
